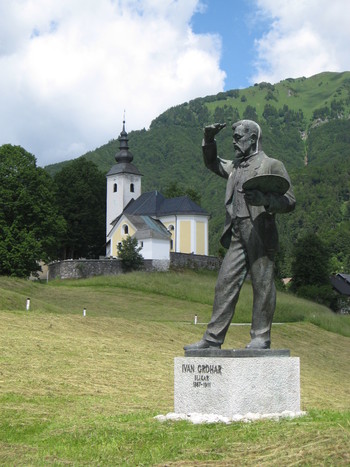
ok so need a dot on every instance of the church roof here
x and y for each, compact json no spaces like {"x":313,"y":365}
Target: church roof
{"x":181,"y":205}
{"x":146,"y":227}
{"x":345,"y":277}
{"x":124,"y":157}
{"x":341,"y":283}
{"x":154,"y":203}
{"x":146,"y":204}
{"x":124,"y":167}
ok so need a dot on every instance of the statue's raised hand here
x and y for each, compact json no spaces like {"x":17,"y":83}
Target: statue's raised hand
{"x":211,"y":131}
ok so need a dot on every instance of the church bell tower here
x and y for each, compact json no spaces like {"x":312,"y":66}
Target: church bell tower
{"x":123,"y":181}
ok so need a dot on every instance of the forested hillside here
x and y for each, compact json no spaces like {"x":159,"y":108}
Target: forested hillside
{"x":305,"y":123}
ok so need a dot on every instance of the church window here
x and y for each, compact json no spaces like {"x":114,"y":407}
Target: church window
{"x":125,"y":229}
{"x":132,"y":188}
{"x":115,"y":188}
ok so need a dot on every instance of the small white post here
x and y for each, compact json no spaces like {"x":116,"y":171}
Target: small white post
{"x":195,"y":319}
{"x":84,"y":312}
{"x":28,"y":304}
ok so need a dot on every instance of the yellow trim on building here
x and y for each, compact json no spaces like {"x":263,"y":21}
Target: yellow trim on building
{"x":185,"y":234}
{"x":200,"y":238}
{"x":119,"y":235}
{"x":172,"y":232}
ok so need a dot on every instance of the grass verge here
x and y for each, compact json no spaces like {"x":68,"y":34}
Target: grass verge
{"x":84,"y":391}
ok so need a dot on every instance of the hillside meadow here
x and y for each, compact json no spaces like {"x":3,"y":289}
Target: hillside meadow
{"x":78,"y":390}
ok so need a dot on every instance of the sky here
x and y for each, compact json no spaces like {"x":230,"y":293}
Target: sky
{"x":69,"y":68}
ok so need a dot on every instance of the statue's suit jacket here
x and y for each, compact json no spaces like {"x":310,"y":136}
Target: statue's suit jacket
{"x":263,"y":217}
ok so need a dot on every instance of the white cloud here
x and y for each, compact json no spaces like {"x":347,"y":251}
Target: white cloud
{"x":305,"y":37}
{"x":70,"y":68}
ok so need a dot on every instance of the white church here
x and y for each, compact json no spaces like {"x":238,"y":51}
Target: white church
{"x":160,"y":225}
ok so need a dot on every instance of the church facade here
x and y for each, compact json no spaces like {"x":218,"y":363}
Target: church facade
{"x":160,"y":225}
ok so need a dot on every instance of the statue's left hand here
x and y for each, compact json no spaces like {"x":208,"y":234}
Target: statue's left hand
{"x":256,"y":198}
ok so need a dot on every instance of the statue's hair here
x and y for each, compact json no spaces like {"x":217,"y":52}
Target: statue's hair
{"x":250,"y":127}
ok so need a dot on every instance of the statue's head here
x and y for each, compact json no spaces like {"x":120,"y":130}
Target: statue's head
{"x":246,"y":138}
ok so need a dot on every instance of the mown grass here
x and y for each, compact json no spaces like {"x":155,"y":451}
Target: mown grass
{"x":198,"y":288}
{"x":84,"y":391}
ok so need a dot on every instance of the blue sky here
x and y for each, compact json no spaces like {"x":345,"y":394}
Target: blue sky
{"x":69,"y":68}
{"x":238,"y":27}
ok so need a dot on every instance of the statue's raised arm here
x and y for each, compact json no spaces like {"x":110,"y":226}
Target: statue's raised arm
{"x":210,"y":131}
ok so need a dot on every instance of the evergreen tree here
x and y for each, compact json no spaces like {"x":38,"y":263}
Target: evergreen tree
{"x":129,"y":253}
{"x":311,"y":270}
{"x":81,"y":197}
{"x":174,"y":190}
{"x":311,"y":263}
{"x":250,"y":113}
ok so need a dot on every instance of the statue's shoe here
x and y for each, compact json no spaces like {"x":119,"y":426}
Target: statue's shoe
{"x":202,"y":344}
{"x":258,"y":343}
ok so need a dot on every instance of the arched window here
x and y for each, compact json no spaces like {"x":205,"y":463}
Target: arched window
{"x":115,"y":188}
{"x":125,"y":229}
{"x":132,"y":188}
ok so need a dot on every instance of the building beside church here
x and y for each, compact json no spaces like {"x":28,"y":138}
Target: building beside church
{"x":341,"y":284}
{"x":160,"y":225}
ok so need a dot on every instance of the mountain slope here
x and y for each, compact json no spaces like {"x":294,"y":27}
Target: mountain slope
{"x":305,"y":123}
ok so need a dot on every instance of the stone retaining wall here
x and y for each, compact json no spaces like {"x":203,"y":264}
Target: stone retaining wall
{"x":191,"y":261}
{"x":83,"y":268}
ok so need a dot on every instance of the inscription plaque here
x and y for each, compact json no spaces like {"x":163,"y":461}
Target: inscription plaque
{"x":231,"y":386}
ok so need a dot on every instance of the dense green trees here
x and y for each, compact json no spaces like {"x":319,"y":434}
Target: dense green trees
{"x":311,"y":263}
{"x":30,"y":225}
{"x":311,"y":270}
{"x":45,"y":219}
{"x":250,"y":113}
{"x":81,"y":197}
{"x":129,"y":254}
{"x":174,"y":190}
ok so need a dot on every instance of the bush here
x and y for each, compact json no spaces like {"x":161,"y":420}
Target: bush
{"x":311,"y":265}
{"x":323,"y":294}
{"x":129,"y":253}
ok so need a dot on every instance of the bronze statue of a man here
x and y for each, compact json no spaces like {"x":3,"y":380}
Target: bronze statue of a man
{"x":250,"y":232}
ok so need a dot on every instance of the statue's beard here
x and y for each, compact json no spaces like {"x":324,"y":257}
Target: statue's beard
{"x":239,"y":153}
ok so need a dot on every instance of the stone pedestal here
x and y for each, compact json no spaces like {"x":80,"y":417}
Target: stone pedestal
{"x":229,"y":385}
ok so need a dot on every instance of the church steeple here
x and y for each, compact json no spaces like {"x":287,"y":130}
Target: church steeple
{"x":123,"y":181}
{"x":124,"y":155}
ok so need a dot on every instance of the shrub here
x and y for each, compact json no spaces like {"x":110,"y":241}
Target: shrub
{"x":129,"y":253}
{"x":323,"y":294}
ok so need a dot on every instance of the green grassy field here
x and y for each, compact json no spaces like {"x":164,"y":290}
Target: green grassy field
{"x":84,"y":391}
